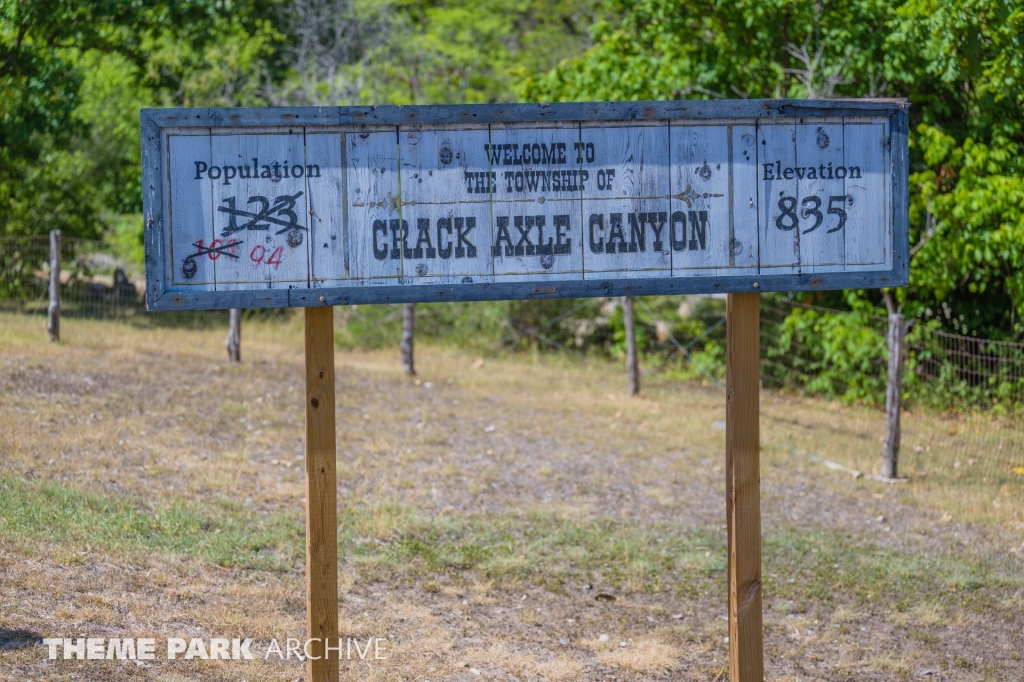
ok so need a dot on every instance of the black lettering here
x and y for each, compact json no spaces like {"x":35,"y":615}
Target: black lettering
{"x":657,"y":223}
{"x":838,"y":169}
{"x":531,"y":180}
{"x":494,"y":152}
{"x":400,"y":239}
{"x":584,"y":176}
{"x":590,"y":152}
{"x":678,"y":218}
{"x":266,"y":172}
{"x":201,"y":167}
{"x":245,"y":172}
{"x":297,"y":171}
{"x":563,"y":246}
{"x":698,"y":230}
{"x":596,"y":219}
{"x":423,"y":239}
{"x":616,"y":235}
{"x":508,"y":153}
{"x":542,"y":248}
{"x":854,"y":173}
{"x":788,"y":174}
{"x":503,"y":237}
{"x":524,"y":247}
{"x":509,"y":175}
{"x":469,"y":179}
{"x":637,"y":234}
{"x":548,"y":153}
{"x":210,"y":174}
{"x":229,"y":172}
{"x":464,"y":248}
{"x":561,"y":152}
{"x":312,"y":170}
{"x":444,"y":225}
{"x":380,"y":249}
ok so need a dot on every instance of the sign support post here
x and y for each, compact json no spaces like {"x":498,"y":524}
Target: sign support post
{"x":321,"y":497}
{"x":743,"y":478}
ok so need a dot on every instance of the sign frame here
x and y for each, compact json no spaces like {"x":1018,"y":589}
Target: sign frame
{"x":156,"y":123}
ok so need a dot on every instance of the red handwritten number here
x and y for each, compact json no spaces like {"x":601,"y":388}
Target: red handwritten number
{"x":257,"y":259}
{"x":214,"y":255}
{"x":199,"y":245}
{"x":275,"y":257}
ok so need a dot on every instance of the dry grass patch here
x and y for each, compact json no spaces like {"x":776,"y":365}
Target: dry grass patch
{"x":646,"y":654}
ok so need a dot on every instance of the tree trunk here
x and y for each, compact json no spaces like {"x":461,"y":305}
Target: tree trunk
{"x":408,"y":332}
{"x":632,"y":367}
{"x":234,"y":340}
{"x":53,"y":311}
{"x":891,"y":449}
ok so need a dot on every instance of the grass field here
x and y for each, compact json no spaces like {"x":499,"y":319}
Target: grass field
{"x":505,"y":518}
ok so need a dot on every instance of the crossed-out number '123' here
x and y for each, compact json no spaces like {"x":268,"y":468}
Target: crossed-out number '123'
{"x":810,"y":207}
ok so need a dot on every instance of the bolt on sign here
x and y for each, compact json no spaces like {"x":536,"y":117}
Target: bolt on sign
{"x":307,"y":206}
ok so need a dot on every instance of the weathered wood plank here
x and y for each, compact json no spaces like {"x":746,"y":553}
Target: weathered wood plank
{"x":625,"y":200}
{"x":154,"y":202}
{"x":537,"y":228}
{"x":778,"y":219}
{"x":260,"y":209}
{"x":868,"y":195}
{"x":700,"y":209}
{"x":527,"y":113}
{"x":821,"y":160}
{"x":190,"y":262}
{"x":374,"y":220}
{"x":446,"y":204}
{"x":560,"y":288}
{"x":327,"y":214}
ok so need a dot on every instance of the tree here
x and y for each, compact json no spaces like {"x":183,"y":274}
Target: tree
{"x":960,"y":62}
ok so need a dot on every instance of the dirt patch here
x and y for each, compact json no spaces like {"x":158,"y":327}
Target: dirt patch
{"x":484,"y":508}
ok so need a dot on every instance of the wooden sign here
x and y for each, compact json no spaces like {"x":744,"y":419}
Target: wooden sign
{"x":330,"y":206}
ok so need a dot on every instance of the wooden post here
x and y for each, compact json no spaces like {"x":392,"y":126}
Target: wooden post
{"x":893,"y":388}
{"x":632,"y":366}
{"x":321,"y":497}
{"x":408,"y":338}
{"x":234,"y":340}
{"x":743,"y":478}
{"x":53,"y":311}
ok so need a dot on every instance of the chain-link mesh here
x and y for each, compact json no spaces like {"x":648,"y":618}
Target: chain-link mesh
{"x":963,"y":416}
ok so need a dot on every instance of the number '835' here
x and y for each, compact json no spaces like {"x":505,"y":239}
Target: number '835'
{"x":810,"y":208}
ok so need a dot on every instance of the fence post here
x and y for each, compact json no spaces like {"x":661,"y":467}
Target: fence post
{"x":408,"y":337}
{"x":632,"y":367}
{"x":53,"y":311}
{"x":234,"y":340}
{"x":891,"y":449}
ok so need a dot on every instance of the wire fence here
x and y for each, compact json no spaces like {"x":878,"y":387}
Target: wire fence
{"x":963,"y":417}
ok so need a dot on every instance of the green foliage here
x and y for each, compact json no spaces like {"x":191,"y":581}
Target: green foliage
{"x":838,"y":355}
{"x":960,"y":63}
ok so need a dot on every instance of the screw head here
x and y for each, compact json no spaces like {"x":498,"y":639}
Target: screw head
{"x":323,"y":298}
{"x":755,"y":285}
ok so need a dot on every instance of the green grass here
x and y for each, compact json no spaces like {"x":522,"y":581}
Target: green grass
{"x":387,"y":540}
{"x":224,"y":533}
